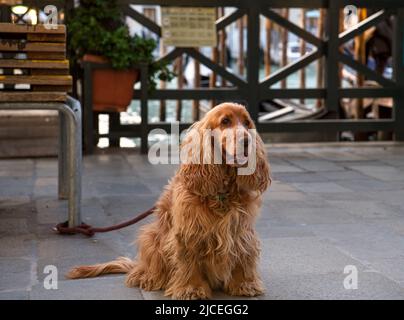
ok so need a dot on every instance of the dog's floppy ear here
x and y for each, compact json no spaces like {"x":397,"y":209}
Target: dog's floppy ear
{"x":260,"y":179}
{"x":197,"y":171}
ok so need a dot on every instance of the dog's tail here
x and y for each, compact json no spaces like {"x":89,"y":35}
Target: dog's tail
{"x":120,"y":265}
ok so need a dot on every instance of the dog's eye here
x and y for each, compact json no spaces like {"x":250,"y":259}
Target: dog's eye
{"x":225,"y":121}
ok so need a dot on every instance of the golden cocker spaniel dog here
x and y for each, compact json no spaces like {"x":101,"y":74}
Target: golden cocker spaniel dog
{"x":203,"y":237}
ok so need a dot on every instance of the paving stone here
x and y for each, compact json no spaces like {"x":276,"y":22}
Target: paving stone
{"x":46,"y":186}
{"x":127,"y":205}
{"x":281,"y":207}
{"x":366,"y":241}
{"x":154,"y":295}
{"x":217,"y":295}
{"x":51,"y":210}
{"x":316,"y":165}
{"x":46,"y":167}
{"x":64,"y":264}
{"x":295,"y":153}
{"x":348,"y":195}
{"x":346,"y":175}
{"x":119,"y":186}
{"x":16,"y":186}
{"x":302,"y":255}
{"x":21,"y":173}
{"x":13,"y":226}
{"x":371,"y":286}
{"x":62,"y":247}
{"x":391,"y":268}
{"x":103,"y":288}
{"x":337,"y":154}
{"x":15,"y":274}
{"x":366,"y":209}
{"x":278,"y":166}
{"x":286,"y":196}
{"x":278,"y":186}
{"x":156,"y":184}
{"x":319,"y":187}
{"x":99,"y":160}
{"x":14,"y":295}
{"x":12,"y":165}
{"x":383,"y":172}
{"x":393,"y":197}
{"x":288,"y":177}
{"x":395,"y":225}
{"x":313,"y":216}
{"x":271,"y":216}
{"x":17,"y":246}
{"x":17,"y":207}
{"x":271,"y":230}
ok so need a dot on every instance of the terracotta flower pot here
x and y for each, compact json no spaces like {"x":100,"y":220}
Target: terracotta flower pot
{"x":112,"y":89}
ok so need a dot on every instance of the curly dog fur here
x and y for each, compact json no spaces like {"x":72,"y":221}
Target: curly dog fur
{"x":200,"y":241}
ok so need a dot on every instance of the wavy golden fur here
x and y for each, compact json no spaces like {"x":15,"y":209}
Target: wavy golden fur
{"x":203,"y":238}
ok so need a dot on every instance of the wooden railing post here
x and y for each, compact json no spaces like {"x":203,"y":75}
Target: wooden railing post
{"x":253,"y":61}
{"x":332,"y":77}
{"x":398,"y":60}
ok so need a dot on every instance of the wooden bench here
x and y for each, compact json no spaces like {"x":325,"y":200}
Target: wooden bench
{"x":35,"y":76}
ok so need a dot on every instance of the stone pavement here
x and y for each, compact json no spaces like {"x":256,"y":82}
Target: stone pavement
{"x":330,"y":206}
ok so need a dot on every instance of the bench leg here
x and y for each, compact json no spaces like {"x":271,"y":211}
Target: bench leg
{"x":74,"y":169}
{"x":62,"y":161}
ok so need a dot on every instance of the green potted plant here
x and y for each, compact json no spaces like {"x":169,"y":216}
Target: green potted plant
{"x":98,"y":33}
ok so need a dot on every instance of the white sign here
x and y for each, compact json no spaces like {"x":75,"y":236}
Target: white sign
{"x":188,"y":27}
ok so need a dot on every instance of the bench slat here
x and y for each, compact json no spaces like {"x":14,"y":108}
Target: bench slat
{"x":32,"y":96}
{"x":53,"y":80}
{"x":25,"y":28}
{"x":43,"y":37}
{"x":46,"y":55}
{"x":34,"y":64}
{"x":33,"y":47}
{"x":38,"y":87}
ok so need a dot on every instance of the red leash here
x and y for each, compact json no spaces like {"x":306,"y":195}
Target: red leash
{"x":63,"y":228}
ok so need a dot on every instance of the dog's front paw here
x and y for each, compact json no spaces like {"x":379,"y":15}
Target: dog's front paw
{"x":246,"y":288}
{"x":191,"y":293}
